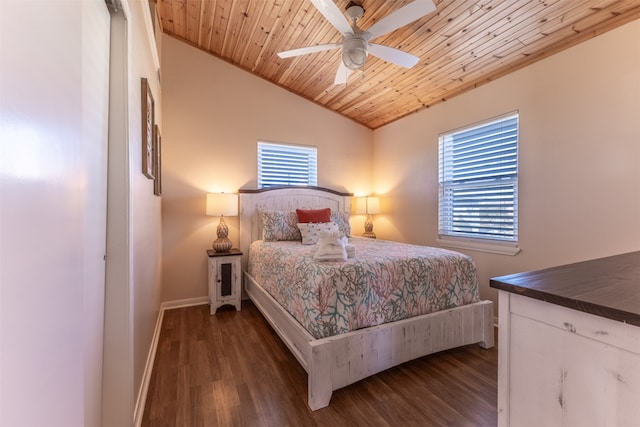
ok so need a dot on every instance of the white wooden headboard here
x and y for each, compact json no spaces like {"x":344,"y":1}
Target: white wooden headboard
{"x":282,"y":198}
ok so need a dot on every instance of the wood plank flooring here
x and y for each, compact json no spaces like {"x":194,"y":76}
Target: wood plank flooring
{"x":231,"y":369}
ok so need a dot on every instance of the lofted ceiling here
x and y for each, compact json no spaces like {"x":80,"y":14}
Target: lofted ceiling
{"x":463,"y":44}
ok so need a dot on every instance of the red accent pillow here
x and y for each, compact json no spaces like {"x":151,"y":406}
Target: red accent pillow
{"x":314,"y":215}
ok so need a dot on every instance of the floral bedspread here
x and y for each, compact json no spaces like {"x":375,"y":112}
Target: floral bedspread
{"x":385,"y":281}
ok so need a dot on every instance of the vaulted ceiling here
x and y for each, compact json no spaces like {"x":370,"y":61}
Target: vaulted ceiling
{"x":461,"y":45}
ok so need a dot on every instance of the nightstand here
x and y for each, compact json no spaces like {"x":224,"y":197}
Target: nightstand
{"x":225,"y":279}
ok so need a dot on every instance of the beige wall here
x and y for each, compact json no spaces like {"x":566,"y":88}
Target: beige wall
{"x":213,"y":116}
{"x":134,"y":243}
{"x":579,"y":157}
{"x":145,"y":207}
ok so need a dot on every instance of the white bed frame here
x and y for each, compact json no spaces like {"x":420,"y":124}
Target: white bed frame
{"x":335,"y":362}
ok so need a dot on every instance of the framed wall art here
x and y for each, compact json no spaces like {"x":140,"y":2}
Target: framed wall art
{"x":147,"y":129}
{"x":157,"y":161}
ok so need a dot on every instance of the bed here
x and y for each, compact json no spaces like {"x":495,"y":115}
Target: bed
{"x":373,"y":339}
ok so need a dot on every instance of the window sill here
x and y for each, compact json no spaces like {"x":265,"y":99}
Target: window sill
{"x":509,"y":249}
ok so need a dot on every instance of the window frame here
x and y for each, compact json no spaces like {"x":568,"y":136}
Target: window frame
{"x":310,"y":177}
{"x":466,"y":240}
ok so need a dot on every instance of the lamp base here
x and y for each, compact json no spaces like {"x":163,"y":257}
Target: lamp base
{"x":368,"y":228}
{"x":222,"y":244}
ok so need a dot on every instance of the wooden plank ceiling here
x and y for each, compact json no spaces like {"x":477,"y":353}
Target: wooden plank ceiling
{"x":461,"y":45}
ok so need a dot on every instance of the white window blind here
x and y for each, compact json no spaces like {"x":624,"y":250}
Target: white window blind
{"x":478,"y":171}
{"x":282,"y":164}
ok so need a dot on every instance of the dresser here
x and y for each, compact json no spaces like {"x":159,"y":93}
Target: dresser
{"x":569,"y":344}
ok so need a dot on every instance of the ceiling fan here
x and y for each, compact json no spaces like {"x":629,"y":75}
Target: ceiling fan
{"x":355,"y":42}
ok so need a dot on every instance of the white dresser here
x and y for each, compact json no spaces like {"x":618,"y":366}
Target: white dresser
{"x":569,"y":345}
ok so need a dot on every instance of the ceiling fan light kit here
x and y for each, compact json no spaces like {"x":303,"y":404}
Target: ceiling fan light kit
{"x":354,"y":51}
{"x":355,"y":42}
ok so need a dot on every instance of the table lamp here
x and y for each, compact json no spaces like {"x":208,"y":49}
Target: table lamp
{"x":369,"y":205}
{"x":222,"y":204}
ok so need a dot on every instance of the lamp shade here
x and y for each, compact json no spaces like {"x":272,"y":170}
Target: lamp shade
{"x":222,"y":204}
{"x":373,"y":205}
{"x":367,"y":205}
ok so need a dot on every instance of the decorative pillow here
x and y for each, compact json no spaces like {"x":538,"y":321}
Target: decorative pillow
{"x":314,"y":215}
{"x":342,"y":220}
{"x":279,"y":225}
{"x":311,"y":231}
{"x":331,"y":247}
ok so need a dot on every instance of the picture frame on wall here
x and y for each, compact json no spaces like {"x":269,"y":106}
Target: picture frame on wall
{"x":147,"y":129}
{"x":157,"y":161}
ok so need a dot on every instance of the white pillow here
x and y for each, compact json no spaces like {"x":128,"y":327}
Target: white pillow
{"x":331,"y":247}
{"x":311,"y":231}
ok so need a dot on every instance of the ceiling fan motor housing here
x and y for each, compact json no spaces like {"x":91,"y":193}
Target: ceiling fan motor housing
{"x":354,"y":51}
{"x":354,"y":11}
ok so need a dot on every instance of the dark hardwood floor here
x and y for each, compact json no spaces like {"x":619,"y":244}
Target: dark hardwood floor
{"x":231,"y":369}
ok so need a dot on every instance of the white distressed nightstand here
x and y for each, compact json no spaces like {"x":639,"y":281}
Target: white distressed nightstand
{"x":225,"y":279}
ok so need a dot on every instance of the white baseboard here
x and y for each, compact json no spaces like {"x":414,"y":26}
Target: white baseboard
{"x":184,"y":303}
{"x":146,"y":375}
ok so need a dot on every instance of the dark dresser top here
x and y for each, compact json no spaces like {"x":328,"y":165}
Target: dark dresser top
{"x":607,"y":287}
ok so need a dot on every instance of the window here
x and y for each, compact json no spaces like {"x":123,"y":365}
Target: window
{"x":282,"y":164}
{"x":478,"y":176}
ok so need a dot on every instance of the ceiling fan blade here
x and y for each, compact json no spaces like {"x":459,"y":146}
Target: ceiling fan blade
{"x":394,"y":55}
{"x":333,"y":14}
{"x":342,"y":75}
{"x":401,"y":17}
{"x":308,"y":49}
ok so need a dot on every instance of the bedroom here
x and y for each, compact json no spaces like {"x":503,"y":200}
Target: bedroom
{"x":563,"y":164}
{"x":566,"y":172}
{"x":570,"y":199}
